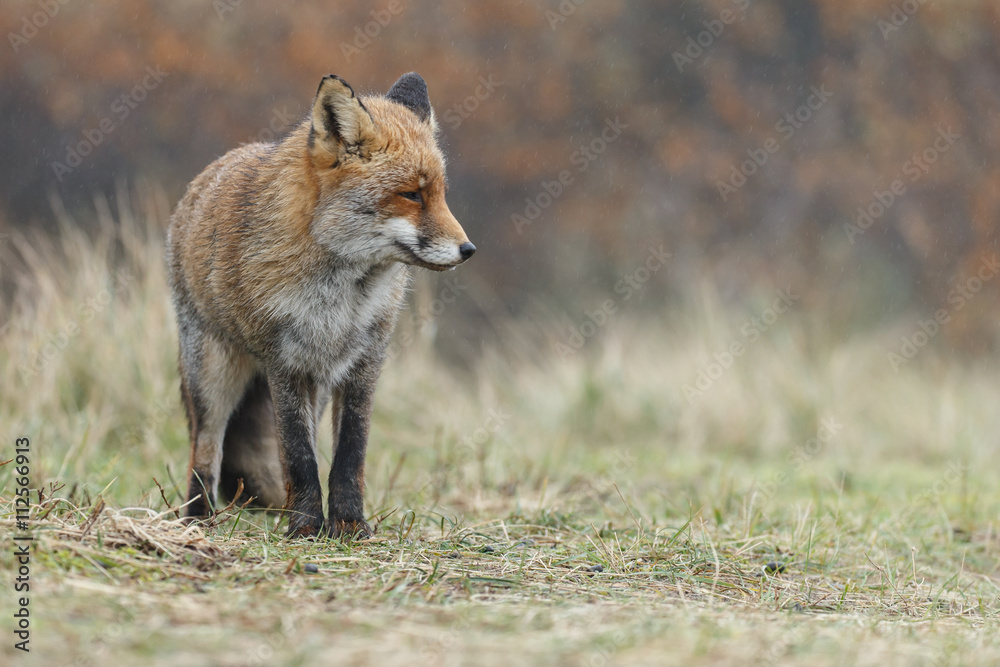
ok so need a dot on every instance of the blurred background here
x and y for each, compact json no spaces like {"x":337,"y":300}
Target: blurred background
{"x":845,"y":151}
{"x":735,"y":296}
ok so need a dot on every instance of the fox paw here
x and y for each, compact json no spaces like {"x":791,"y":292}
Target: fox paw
{"x":305,"y":526}
{"x":350,"y":530}
{"x":306,"y":531}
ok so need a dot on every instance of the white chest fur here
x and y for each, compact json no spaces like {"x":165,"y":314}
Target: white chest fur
{"x":328,"y":323}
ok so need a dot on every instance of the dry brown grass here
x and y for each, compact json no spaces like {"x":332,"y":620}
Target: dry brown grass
{"x":595,"y":516}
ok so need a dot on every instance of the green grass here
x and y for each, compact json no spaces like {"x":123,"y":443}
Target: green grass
{"x":537,"y":511}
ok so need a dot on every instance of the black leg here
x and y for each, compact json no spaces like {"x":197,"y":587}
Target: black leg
{"x":294,"y":399}
{"x":347,"y":476}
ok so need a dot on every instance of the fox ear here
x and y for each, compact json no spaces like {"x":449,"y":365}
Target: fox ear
{"x":411,"y":92}
{"x":338,"y":114}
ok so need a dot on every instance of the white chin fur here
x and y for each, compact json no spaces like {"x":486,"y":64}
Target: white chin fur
{"x":402,"y":231}
{"x":444,"y":255}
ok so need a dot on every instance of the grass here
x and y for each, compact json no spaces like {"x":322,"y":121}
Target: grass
{"x":811,"y":507}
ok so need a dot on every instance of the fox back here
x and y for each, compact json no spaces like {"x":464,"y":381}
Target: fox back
{"x":288,"y":264}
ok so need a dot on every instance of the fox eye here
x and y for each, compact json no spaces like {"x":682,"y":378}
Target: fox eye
{"x":412,"y":196}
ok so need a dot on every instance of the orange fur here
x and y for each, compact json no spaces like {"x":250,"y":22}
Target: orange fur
{"x":287,"y":265}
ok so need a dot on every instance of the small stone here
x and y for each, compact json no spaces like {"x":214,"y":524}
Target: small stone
{"x":774,"y":567}
{"x":595,"y":568}
{"x":311,"y":568}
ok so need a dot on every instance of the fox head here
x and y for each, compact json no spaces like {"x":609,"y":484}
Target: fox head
{"x":381,"y":178}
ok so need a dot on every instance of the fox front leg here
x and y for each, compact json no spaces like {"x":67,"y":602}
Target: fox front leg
{"x":347,"y":476}
{"x":295,"y":399}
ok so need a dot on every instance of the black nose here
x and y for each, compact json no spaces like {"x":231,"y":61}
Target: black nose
{"x":467,"y":250}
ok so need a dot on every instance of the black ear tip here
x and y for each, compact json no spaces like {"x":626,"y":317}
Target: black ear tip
{"x":414,"y":77}
{"x":413,"y":83}
{"x":411,"y":91}
{"x":334,"y":77}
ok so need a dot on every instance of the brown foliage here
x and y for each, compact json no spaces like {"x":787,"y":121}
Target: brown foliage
{"x":234,"y":69}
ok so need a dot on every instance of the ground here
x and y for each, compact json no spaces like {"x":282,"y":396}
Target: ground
{"x":627,"y":502}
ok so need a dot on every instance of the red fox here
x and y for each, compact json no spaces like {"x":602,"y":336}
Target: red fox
{"x":288,"y":265}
